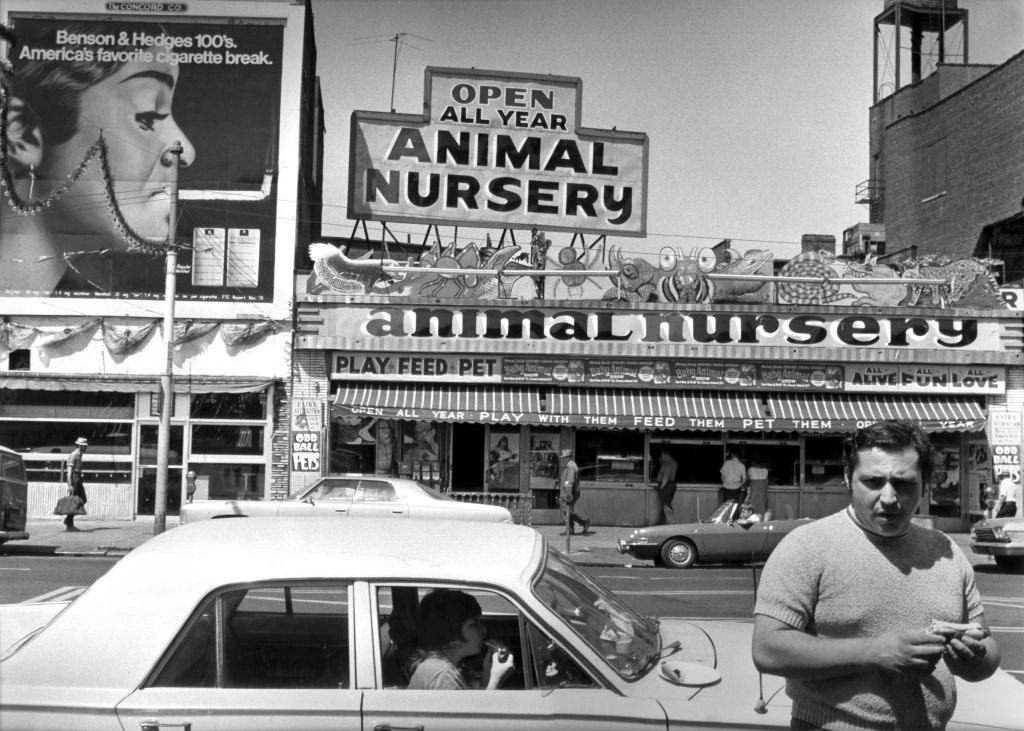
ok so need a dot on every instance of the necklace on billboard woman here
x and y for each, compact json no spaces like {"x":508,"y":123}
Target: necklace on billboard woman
{"x":98,"y":150}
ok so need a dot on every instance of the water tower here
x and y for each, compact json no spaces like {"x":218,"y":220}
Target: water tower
{"x":919,"y":34}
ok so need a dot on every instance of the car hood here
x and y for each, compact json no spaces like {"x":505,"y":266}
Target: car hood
{"x":725,"y":645}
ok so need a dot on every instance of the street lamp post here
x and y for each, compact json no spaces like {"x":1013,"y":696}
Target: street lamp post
{"x":163,"y":441}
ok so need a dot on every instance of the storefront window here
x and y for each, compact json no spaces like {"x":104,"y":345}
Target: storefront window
{"x":229,"y":406}
{"x":228,"y":481}
{"x":544,"y":449}
{"x":781,"y":460}
{"x":227,"y":439}
{"x":45,"y":446}
{"x":503,"y":460}
{"x":610,"y":456}
{"x":823,"y":462}
{"x":697,"y":464}
{"x":149,"y":435}
{"x":353,"y":443}
{"x":420,"y":452}
{"x":944,"y":495}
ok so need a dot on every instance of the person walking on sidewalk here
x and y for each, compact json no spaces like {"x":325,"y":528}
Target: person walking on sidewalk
{"x":76,"y":486}
{"x":570,"y":493}
{"x":666,"y":489}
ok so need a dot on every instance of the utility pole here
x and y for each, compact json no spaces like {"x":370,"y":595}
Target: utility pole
{"x":163,"y":440}
{"x":394,"y":68}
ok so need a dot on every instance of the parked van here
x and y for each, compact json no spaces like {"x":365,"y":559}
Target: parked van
{"x":13,"y":496}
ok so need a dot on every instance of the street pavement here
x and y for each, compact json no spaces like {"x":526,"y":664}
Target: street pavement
{"x":118,"y":537}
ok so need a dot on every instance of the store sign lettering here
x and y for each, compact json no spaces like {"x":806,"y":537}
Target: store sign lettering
{"x":705,"y":328}
{"x":502,"y":150}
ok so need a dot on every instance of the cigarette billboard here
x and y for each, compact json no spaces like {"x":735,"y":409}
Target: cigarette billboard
{"x":502,"y":150}
{"x":96,"y":100}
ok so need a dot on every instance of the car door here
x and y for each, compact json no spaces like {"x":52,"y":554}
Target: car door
{"x":775,"y":531}
{"x":378,"y":499}
{"x":725,"y":542}
{"x":268,"y":656}
{"x":329,"y":496}
{"x":548,"y":689}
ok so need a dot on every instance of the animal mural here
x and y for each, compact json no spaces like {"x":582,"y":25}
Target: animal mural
{"x":335,"y":272}
{"x":721,"y":274}
{"x":969,"y":282}
{"x":826,"y":266}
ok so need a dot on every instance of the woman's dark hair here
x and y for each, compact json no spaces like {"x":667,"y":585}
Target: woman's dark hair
{"x":440,"y":616}
{"x":891,"y":436}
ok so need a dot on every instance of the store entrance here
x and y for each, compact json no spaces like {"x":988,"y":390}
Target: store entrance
{"x":468,"y":457}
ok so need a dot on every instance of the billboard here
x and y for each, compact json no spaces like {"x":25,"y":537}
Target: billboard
{"x":498,"y":149}
{"x":97,"y":98}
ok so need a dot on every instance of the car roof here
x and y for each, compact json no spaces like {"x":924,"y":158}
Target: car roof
{"x":287,"y":547}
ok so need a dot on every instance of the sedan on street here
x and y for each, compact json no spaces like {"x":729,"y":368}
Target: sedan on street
{"x":1001,"y":538}
{"x":289,"y":623}
{"x":353,"y":495}
{"x":715,"y":539}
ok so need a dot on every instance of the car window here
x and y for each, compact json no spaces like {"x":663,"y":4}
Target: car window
{"x":334,"y":490}
{"x":375,"y":491}
{"x":265,"y":636}
{"x":539,"y":661}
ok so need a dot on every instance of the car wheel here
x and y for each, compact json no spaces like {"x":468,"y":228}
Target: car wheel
{"x":1010,"y":563}
{"x":678,"y":553}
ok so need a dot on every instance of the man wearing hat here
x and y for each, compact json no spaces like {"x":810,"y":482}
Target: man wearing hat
{"x":75,"y":485}
{"x":570,"y":493}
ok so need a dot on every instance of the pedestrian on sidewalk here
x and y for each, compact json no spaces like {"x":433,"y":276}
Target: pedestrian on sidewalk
{"x":570,"y":493}
{"x":76,"y":487}
{"x":666,"y":489}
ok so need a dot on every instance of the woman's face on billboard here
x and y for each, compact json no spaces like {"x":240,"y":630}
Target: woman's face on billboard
{"x":132,"y":109}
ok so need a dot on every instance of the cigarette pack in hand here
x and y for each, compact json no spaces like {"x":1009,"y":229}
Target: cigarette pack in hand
{"x":951,"y":630}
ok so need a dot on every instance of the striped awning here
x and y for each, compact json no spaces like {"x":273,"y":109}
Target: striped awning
{"x":594,"y":407}
{"x":846,"y":412}
{"x":649,"y":409}
{"x":437,"y":402}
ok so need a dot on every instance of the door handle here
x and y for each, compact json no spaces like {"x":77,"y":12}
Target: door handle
{"x":152,"y":725}
{"x":385,"y":726}
{"x":341,"y":510}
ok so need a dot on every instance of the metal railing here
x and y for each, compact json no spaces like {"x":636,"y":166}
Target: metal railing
{"x":518,"y":503}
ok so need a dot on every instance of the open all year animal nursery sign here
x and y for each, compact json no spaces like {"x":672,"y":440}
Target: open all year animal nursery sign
{"x":498,"y":149}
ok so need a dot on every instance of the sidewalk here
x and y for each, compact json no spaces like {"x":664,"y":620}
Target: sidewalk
{"x":118,"y":537}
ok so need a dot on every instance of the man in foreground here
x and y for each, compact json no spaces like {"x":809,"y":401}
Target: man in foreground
{"x":846,"y":604}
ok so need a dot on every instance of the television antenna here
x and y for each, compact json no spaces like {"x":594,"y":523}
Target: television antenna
{"x":400,"y":41}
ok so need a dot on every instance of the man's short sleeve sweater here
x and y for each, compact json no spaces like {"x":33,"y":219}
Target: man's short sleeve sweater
{"x":832,"y":579}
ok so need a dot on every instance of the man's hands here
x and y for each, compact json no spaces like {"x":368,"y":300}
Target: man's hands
{"x":909,"y":652}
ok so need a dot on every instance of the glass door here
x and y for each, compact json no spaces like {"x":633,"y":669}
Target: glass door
{"x":146,"y":498}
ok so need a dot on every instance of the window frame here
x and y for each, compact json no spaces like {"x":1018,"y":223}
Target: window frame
{"x":216,"y":596}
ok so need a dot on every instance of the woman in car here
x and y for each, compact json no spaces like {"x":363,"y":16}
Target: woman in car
{"x":449,"y":630}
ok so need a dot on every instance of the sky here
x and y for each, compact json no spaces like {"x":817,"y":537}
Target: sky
{"x":756,"y":110}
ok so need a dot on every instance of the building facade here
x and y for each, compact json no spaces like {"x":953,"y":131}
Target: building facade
{"x":480,"y":395}
{"x":84,"y":229}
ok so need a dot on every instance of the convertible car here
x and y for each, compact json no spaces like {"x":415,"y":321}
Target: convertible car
{"x":1001,"y":538}
{"x":714,"y":539}
{"x":352,"y":495}
{"x":290,"y":623}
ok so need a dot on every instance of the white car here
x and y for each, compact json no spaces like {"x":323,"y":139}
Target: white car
{"x":299,"y":624}
{"x":353,"y":495}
